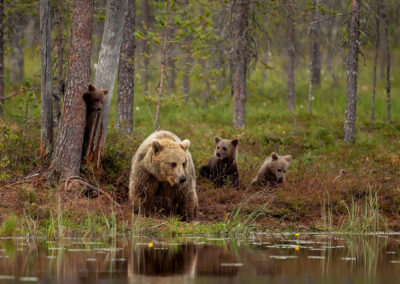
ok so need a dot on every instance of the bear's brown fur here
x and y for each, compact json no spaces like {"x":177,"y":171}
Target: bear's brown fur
{"x":273,"y":170}
{"x":223,"y":164}
{"x":94,"y":99}
{"x":162,"y":172}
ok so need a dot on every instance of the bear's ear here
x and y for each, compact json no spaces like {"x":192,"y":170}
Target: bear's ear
{"x":105,"y":92}
{"x":185,"y":144}
{"x":91,"y":88}
{"x":235,"y":142}
{"x":274,"y":156}
{"x":157,"y":147}
{"x":217,"y":139}
{"x":288,"y":158}
{"x":86,"y":96}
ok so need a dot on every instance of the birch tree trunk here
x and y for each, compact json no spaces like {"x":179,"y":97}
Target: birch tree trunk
{"x":372,"y":116}
{"x":387,"y":59}
{"x":126,"y":71}
{"x":352,"y":72}
{"x":60,"y":51}
{"x":240,"y":58}
{"x":1,"y":56}
{"x":105,"y":75}
{"x":291,"y":59}
{"x":46,"y":143}
{"x":315,"y":64}
{"x":68,"y":151}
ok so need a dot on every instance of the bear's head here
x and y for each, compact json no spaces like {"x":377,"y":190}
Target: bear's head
{"x":278,"y":166}
{"x":168,"y":161}
{"x":225,"y":148}
{"x":94,"y":98}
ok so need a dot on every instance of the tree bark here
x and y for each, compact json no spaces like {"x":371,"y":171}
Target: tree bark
{"x":240,"y":57}
{"x":146,"y":46}
{"x":60,"y":51}
{"x":46,"y":143}
{"x":372,"y":116}
{"x":68,"y":151}
{"x":315,"y":62}
{"x":352,"y":72}
{"x":126,"y":71}
{"x":162,"y":72}
{"x":1,"y":56}
{"x":291,"y":59}
{"x":387,"y":59}
{"x":105,"y":75}
{"x":16,"y":28}
{"x":170,"y":62}
{"x":187,"y":60}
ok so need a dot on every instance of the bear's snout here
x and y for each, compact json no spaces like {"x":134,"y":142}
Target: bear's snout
{"x":182,"y":179}
{"x":280,"y":180}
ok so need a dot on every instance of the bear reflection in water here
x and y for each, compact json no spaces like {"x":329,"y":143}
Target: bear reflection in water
{"x":186,"y":260}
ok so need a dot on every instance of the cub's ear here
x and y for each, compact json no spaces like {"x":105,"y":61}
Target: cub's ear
{"x":91,"y":88}
{"x":274,"y":156}
{"x":105,"y":92}
{"x":217,"y":139}
{"x":288,"y":158}
{"x":235,"y":142}
{"x":185,"y":144}
{"x":157,"y":147}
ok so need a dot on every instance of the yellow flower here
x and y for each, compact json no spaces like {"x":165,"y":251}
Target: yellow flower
{"x":297,"y":235}
{"x":150,"y":245}
{"x":297,"y":248}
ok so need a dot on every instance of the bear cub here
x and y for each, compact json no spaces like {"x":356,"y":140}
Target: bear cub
{"x":94,"y":99}
{"x":273,"y":170}
{"x":163,"y":177}
{"x":223,"y":164}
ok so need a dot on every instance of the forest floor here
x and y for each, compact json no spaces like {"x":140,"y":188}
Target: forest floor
{"x":331,"y":185}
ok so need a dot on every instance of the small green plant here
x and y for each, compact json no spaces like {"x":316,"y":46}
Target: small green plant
{"x":9,"y":226}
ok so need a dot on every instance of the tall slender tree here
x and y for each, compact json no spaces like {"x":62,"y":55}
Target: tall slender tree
{"x":377,"y":16}
{"x":126,"y":71}
{"x":16,"y":29}
{"x":46,"y":144}
{"x":291,"y":41}
{"x":105,"y":75}
{"x":240,"y":50}
{"x":352,"y":72}
{"x":67,"y":156}
{"x":387,"y":61}
{"x":1,"y":56}
{"x":60,"y":53}
{"x":315,"y":62}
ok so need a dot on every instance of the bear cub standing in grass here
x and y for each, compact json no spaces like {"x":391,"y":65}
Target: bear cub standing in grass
{"x":223,"y":164}
{"x":273,"y":170}
{"x":162,"y":168}
{"x":94,"y":99}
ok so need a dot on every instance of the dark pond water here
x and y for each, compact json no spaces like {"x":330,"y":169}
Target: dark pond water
{"x":261,"y":258}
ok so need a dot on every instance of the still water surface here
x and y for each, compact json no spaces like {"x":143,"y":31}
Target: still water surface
{"x":261,"y":258}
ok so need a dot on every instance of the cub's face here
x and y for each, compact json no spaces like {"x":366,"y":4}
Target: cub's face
{"x":95,"y":98}
{"x":225,"y":148}
{"x":170,"y":160}
{"x":279,"y":165}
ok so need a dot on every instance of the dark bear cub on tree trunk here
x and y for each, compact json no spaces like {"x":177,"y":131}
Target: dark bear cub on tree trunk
{"x":223,"y":164}
{"x":94,"y":99}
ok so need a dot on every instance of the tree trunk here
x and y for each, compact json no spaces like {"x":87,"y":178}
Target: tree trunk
{"x":68,"y":151}
{"x":46,"y":143}
{"x":291,"y":59}
{"x":187,"y":61}
{"x":126,"y":73}
{"x":162,"y":72}
{"x":60,"y":82}
{"x":315,"y":62}
{"x":146,"y":46}
{"x":352,"y":72}
{"x":1,"y":56}
{"x":105,"y":75}
{"x":240,"y":58}
{"x":387,"y":59}
{"x":372,"y":117}
{"x":16,"y":28}
{"x":170,"y":62}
